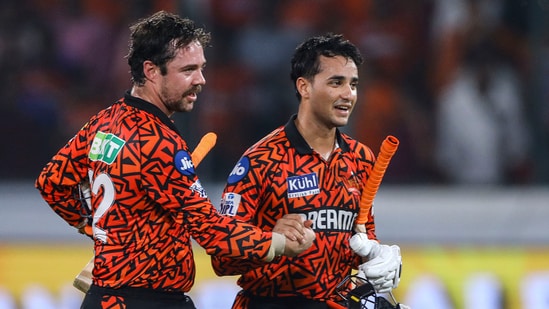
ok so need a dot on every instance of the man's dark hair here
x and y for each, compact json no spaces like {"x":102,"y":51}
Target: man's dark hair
{"x":157,"y":38}
{"x":306,"y":59}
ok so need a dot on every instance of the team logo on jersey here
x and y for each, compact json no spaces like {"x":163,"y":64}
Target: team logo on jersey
{"x":302,"y":185}
{"x":183,"y":163}
{"x":353,"y":184}
{"x":197,"y":187}
{"x":229,"y":203}
{"x":239,"y":171}
{"x":105,"y":147}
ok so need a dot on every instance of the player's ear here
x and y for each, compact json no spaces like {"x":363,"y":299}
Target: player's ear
{"x":150,"y":70}
{"x":303,"y":87}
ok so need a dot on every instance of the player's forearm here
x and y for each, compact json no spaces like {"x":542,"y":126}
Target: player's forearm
{"x":223,"y":266}
{"x":65,"y":208}
{"x":224,"y":236}
{"x":60,"y":198}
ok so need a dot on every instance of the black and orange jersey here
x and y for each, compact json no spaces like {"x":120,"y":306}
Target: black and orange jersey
{"x":147,"y":201}
{"x":281,"y":174}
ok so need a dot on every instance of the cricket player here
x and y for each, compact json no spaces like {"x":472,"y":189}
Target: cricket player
{"x":308,"y":166}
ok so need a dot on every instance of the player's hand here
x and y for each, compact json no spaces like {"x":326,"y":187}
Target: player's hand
{"x":85,"y":228}
{"x":291,"y":236}
{"x":364,"y":247}
{"x":383,"y":271}
{"x":293,"y":248}
{"x":293,"y":227}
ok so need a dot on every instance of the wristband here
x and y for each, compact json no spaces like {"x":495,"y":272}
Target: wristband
{"x":278,"y":243}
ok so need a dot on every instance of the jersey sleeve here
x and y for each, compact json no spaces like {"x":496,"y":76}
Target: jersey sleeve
{"x":59,"y":179}
{"x":170,"y":179}
{"x":240,"y":196}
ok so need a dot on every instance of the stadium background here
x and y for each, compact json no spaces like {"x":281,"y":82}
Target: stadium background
{"x":63,"y":60}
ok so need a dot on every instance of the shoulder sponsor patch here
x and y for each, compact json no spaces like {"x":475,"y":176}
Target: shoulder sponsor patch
{"x":302,"y":185}
{"x":229,"y":203}
{"x":183,"y":163}
{"x":197,"y":187}
{"x":105,"y":147}
{"x":239,"y":171}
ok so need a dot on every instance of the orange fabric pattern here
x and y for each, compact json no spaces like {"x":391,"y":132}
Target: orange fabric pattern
{"x":113,"y":302}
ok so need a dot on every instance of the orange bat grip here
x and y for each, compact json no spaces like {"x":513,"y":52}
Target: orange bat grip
{"x":386,"y":152}
{"x":207,"y":142}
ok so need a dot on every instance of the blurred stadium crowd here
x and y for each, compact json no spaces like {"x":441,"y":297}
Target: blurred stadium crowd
{"x":464,"y":84}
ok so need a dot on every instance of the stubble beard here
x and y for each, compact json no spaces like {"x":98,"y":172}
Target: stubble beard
{"x":180,"y":104}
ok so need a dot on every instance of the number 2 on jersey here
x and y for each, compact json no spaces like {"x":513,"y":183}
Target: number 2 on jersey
{"x":102,"y":180}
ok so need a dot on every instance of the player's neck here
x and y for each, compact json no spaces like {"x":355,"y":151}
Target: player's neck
{"x":148,"y":95}
{"x":320,"y":139}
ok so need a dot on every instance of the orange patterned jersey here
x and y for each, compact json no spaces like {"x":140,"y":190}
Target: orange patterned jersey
{"x":281,"y":174}
{"x":147,"y":201}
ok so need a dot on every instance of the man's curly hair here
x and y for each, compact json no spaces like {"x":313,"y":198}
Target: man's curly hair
{"x":157,"y":38}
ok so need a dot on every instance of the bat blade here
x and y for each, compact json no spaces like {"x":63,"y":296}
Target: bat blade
{"x":83,"y":280}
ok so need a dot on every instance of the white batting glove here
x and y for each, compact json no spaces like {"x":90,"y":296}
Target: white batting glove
{"x":383,"y":271}
{"x":363,"y":246}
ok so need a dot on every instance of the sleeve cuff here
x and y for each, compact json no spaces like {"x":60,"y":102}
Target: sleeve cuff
{"x":278,"y":242}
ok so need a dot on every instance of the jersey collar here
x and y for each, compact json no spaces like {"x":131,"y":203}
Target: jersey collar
{"x":150,"y":108}
{"x":298,"y":142}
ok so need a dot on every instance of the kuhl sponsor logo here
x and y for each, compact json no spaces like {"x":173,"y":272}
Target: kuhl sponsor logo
{"x":302,"y":185}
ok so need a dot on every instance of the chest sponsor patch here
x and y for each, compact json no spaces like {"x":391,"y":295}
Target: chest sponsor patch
{"x":302,"y":185}
{"x":331,"y":219}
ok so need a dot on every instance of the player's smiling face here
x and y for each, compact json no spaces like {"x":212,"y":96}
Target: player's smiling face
{"x":334,"y":90}
{"x":183,"y":81}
